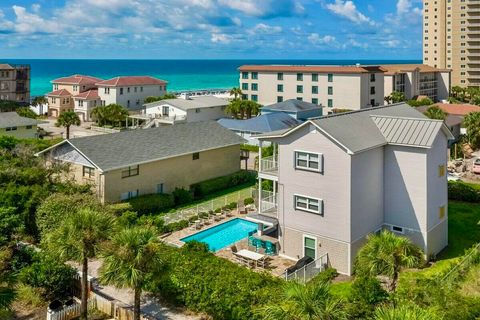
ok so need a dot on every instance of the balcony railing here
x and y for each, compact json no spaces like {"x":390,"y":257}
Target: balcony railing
{"x":268,"y":203}
{"x":269,"y":165}
{"x":309,"y":271}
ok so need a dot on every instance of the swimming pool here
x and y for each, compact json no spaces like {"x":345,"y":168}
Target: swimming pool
{"x":224,"y":234}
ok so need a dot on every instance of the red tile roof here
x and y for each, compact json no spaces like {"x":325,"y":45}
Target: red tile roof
{"x":458,"y":109}
{"x":319,"y":69}
{"x":131,"y":81}
{"x":88,"y":95}
{"x":77,"y":79}
{"x":59,"y":93}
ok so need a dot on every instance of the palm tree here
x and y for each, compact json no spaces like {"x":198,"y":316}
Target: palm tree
{"x":472,"y":124}
{"x":386,"y":254}
{"x":435,"y":112}
{"x":236,"y":93}
{"x":131,"y":260}
{"x":67,"y":119}
{"x":233,"y":108}
{"x":405,"y":311}
{"x":98,"y":113}
{"x":310,"y":301}
{"x":251,"y":108}
{"x":116,"y":113}
{"x":40,"y":100}
{"x":78,"y":238}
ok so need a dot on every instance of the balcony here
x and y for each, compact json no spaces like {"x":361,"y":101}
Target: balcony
{"x":269,"y":166}
{"x":268,"y":203}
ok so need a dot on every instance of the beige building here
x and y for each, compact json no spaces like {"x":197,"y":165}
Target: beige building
{"x":338,"y":178}
{"x":451,"y":39}
{"x":342,"y":87}
{"x":156,"y":160}
{"x":15,"y":83}
{"x":11,"y":124}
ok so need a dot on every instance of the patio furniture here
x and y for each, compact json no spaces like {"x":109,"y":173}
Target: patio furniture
{"x":228,"y":213}
{"x":218,"y":216}
{"x":242,"y":209}
{"x":252,"y":258}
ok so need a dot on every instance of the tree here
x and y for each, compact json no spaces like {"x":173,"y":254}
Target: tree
{"x":405,"y":311}
{"x":131,"y":260}
{"x":252,"y":108}
{"x":241,"y":108}
{"x":26,"y":112}
{"x":116,"y":114}
{"x":472,"y":124}
{"x":67,"y":119}
{"x":386,"y":254}
{"x":310,"y":301}
{"x":395,"y":97}
{"x":78,"y":238}
{"x":435,"y":112}
{"x":236,"y":93}
{"x":40,"y":100}
{"x":233,"y":109}
{"x":99,"y":115}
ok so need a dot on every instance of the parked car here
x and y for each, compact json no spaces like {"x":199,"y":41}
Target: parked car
{"x":452,"y":177}
{"x":476,"y":166}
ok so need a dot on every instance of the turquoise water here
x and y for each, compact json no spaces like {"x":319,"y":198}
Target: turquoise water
{"x":224,"y":234}
{"x":181,"y":74}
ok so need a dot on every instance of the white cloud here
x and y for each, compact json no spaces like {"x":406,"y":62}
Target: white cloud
{"x":393,"y":43}
{"x":27,"y":22}
{"x":221,"y":38}
{"x":262,"y":28}
{"x":265,"y":8}
{"x":315,"y":38}
{"x":348,"y":10}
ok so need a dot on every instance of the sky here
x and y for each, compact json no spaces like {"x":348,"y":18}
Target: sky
{"x":211,"y":29}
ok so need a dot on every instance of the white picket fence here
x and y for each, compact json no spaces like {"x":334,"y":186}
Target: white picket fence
{"x":70,"y":312}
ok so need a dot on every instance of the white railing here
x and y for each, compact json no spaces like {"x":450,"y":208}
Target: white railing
{"x":70,"y":312}
{"x":268,"y":201}
{"x":309,"y":271}
{"x":103,"y":129}
{"x":269,"y":164}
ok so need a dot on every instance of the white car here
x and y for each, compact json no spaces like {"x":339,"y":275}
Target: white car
{"x":452,"y":177}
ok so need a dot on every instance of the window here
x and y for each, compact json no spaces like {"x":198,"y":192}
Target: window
{"x":128,"y":89}
{"x":244,"y":96}
{"x":160,"y":188}
{"x":330,"y":90}
{"x":309,"y":205}
{"x":75,"y":88}
{"x":441,"y":170}
{"x":314,"y":89}
{"x":299,"y":89}
{"x":244,"y":86}
{"x":244,"y":75}
{"x":330,"y":77}
{"x":308,"y":161}
{"x":309,"y":247}
{"x":372,"y":102}
{"x":129,"y":195}
{"x":315,"y":77}
{"x":106,"y":90}
{"x":441,"y":212}
{"x":197,"y":110}
{"x":254,"y":97}
{"x":254,"y":75}
{"x":372,"y":90}
{"x":196,"y":156}
{"x":279,"y":76}
{"x":396,"y":229}
{"x":135,"y":89}
{"x":299,"y":76}
{"x":279,"y":99}
{"x":121,"y":90}
{"x":314,"y":100}
{"x":299,"y":98}
{"x":88,"y":172}
{"x":254,"y":87}
{"x":141,"y":89}
{"x":279,"y":87}
{"x":11,"y":128}
{"x":330,"y":103}
{"x":130,"y":171}
{"x":80,"y":103}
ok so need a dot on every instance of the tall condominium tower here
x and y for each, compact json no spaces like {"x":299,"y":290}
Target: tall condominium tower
{"x":451,"y":39}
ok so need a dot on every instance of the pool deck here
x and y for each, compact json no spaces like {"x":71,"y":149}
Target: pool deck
{"x":276,"y":265}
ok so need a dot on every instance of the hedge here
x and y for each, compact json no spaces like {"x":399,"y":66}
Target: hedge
{"x":213,"y":185}
{"x":151,"y":203}
{"x":202,"y":282}
{"x":461,"y":191}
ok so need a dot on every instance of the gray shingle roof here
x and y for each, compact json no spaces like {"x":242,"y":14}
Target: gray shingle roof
{"x":12,"y":119}
{"x":191,"y":103}
{"x":119,"y":150}
{"x":292,"y":105}
{"x":264,"y":123}
{"x":357,"y":131}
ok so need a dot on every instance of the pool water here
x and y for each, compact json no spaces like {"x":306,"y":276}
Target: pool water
{"x":224,"y":234}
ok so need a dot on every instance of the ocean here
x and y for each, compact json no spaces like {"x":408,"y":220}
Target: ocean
{"x":180,"y":74}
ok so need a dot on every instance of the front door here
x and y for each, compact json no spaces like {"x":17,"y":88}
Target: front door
{"x":309,"y":247}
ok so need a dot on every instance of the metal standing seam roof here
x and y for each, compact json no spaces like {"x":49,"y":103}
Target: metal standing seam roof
{"x":127,"y":148}
{"x":264,"y":123}
{"x":12,"y":119}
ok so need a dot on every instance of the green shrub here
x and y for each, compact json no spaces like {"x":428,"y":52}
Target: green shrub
{"x":195,"y":246}
{"x":460,"y":191}
{"x":151,"y":203}
{"x":232,"y":205}
{"x":326,"y":276}
{"x":119,"y":208}
{"x":182,"y":196}
{"x":175,"y":226}
{"x":366,"y":293}
{"x":30,"y":296}
{"x":418,"y":103}
{"x":248,"y":201}
{"x":127,"y":219}
{"x":207,"y":187}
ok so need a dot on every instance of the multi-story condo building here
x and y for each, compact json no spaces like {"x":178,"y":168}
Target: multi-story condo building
{"x":15,"y":83}
{"x":451,"y":38}
{"x":342,"y":87}
{"x":338,"y":178}
{"x":82,"y":93}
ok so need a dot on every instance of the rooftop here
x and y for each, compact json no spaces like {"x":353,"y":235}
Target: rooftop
{"x":77,"y":79}
{"x":59,"y":93}
{"x":131,"y":81}
{"x":88,"y":95}
{"x":311,"y":68}
{"x":292,"y":105}
{"x":191,"y":103}
{"x":453,"y":109}
{"x":264,"y":123}
{"x":6,"y":66}
{"x":12,"y":119}
{"x":127,"y":148}
{"x":391,"y":69}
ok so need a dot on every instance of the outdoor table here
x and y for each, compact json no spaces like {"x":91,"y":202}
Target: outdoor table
{"x":251,"y":255}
